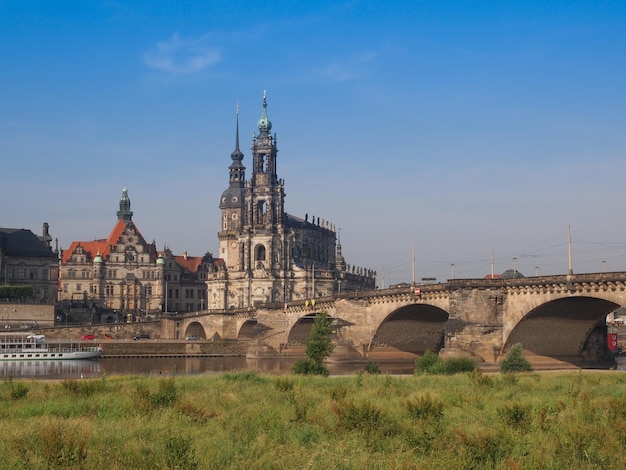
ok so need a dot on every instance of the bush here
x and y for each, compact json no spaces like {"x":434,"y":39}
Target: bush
{"x":514,"y":361}
{"x":362,"y":416}
{"x":372,"y":367}
{"x":425,"y":407}
{"x":14,"y":292}
{"x":427,"y":362}
{"x":431,"y":363}
{"x":458,"y":365}
{"x":309,"y":367}
{"x":515,"y":415}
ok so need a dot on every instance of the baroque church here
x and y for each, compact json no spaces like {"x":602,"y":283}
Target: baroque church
{"x":265,"y":253}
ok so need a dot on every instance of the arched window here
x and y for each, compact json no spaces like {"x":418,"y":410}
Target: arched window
{"x":259,"y":253}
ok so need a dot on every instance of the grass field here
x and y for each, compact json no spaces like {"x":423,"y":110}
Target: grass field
{"x":573,"y":420}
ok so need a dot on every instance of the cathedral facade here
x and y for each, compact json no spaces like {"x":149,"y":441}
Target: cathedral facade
{"x":265,"y":253}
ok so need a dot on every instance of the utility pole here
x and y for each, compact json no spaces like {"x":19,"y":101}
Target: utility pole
{"x":569,"y":250}
{"x":313,"y":280}
{"x":413,"y":263}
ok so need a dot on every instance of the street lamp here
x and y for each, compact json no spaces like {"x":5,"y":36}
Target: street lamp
{"x":514,"y":268}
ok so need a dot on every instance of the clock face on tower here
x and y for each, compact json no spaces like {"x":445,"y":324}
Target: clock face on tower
{"x":234,"y":244}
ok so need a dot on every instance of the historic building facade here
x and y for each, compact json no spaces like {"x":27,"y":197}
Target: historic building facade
{"x":26,"y":259}
{"x":118,"y":275}
{"x":125,"y":278}
{"x":266,"y":254}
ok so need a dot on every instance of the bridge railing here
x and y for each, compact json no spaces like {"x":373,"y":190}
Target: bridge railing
{"x":536,"y":280}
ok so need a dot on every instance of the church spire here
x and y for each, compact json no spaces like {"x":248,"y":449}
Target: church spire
{"x":264,"y":123}
{"x":233,"y":196}
{"x":125,"y":213}
{"x":237,"y":154}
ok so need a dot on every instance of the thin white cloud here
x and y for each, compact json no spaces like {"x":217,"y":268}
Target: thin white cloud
{"x":348,"y":69}
{"x":182,"y":56}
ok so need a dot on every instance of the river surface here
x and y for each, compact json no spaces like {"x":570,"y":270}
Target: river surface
{"x":72,"y":369}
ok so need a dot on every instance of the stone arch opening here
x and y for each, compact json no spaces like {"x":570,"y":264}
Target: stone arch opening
{"x":251,"y":329}
{"x":259,"y":253}
{"x":571,"y":329}
{"x":299,"y":332}
{"x":195,"y":329}
{"x":413,"y":329}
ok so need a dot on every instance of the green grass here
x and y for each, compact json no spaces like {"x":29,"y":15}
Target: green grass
{"x":244,"y":420}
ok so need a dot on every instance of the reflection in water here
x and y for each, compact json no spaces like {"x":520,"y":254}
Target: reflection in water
{"x":51,"y":369}
{"x":217,"y":365}
{"x":172,"y":366}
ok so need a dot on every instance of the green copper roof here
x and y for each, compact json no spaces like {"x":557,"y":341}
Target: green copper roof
{"x":264,"y":123}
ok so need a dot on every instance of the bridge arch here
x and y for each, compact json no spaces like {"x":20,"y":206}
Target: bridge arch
{"x":250,"y":329}
{"x":568,"y":327}
{"x":195,"y":329}
{"x":299,"y":332}
{"x":413,"y":328}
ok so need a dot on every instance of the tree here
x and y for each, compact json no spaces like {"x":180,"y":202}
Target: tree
{"x":318,"y":347}
{"x":319,"y":343}
{"x":514,"y":361}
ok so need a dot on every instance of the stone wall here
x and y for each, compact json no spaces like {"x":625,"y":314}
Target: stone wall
{"x":24,"y":315}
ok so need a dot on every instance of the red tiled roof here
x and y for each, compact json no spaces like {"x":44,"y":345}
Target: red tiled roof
{"x":191,"y":263}
{"x":102,"y":247}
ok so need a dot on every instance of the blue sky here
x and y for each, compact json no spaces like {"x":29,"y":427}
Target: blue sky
{"x":456,"y":128}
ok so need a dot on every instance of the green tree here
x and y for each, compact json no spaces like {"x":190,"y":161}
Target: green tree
{"x":319,"y":343}
{"x":514,"y":361}
{"x":318,"y":347}
{"x":16,"y":291}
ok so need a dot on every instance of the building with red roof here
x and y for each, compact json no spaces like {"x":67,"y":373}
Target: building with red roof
{"x":124,"y":278}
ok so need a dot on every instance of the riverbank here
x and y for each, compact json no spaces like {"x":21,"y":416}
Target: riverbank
{"x":116,"y":349}
{"x":560,"y":420}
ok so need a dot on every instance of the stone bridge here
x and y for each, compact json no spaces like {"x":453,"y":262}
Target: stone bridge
{"x":560,"y":317}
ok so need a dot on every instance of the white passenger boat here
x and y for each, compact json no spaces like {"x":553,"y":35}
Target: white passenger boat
{"x":21,"y":347}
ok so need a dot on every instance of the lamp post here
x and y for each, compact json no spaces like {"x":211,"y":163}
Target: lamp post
{"x":166,"y":297}
{"x":514,"y":268}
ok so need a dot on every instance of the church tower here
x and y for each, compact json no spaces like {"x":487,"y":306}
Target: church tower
{"x":232,"y":209}
{"x":125,"y":213}
{"x":266,"y":254}
{"x":264,"y":222}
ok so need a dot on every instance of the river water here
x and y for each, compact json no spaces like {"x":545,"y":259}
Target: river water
{"x":74,"y":369}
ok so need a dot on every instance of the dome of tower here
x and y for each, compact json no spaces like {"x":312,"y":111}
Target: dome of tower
{"x":98,"y":259}
{"x":232,"y":197}
{"x":160,"y":261}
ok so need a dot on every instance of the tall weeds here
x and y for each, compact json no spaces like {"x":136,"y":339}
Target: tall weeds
{"x":244,"y":420}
